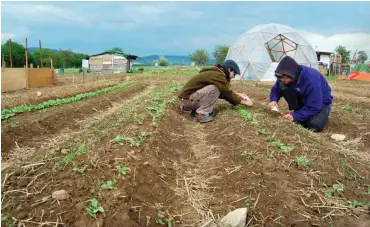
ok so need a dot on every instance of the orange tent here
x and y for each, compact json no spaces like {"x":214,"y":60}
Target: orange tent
{"x":360,"y":72}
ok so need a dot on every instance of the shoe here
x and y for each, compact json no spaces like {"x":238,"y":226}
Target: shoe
{"x":193,"y":115}
{"x":203,"y":118}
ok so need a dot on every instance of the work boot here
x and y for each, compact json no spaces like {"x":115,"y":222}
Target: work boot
{"x":203,"y":118}
{"x":193,"y":115}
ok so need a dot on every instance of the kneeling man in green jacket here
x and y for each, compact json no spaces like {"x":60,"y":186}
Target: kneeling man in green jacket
{"x":200,"y":93}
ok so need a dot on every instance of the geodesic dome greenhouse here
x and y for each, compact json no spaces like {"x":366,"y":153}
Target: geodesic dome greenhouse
{"x":259,"y":50}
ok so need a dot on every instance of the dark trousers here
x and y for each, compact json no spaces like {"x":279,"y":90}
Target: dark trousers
{"x":294,"y":100}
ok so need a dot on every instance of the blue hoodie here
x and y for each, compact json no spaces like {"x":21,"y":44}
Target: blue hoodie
{"x":310,"y":85}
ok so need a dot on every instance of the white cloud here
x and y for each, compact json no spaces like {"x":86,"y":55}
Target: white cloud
{"x":329,"y":43}
{"x":6,"y":36}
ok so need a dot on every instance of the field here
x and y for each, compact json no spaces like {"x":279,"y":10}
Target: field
{"x":128,"y":157}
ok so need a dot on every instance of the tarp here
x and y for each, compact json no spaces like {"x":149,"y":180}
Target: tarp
{"x":360,"y":72}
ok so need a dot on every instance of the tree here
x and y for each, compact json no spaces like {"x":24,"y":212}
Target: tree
{"x":162,"y":61}
{"x":77,"y":59}
{"x":114,"y":49}
{"x":46,"y":55}
{"x":362,"y":56}
{"x":18,"y":54}
{"x":66,"y":56}
{"x":200,"y":57}
{"x":342,"y":50}
{"x":220,"y":53}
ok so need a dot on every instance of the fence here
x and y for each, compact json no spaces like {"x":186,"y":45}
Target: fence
{"x":13,"y":79}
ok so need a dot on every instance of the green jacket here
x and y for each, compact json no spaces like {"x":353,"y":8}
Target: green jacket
{"x":208,"y":76}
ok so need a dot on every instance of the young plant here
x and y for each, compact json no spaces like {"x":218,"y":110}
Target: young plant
{"x":245,"y":114}
{"x":8,"y":113}
{"x":282,"y":147}
{"x":246,"y":155}
{"x":346,"y":107}
{"x":143,"y":135}
{"x":109,"y":185}
{"x":122,"y":170}
{"x":270,"y":154}
{"x":301,"y":161}
{"x":262,"y":131}
{"x":139,"y":119}
{"x":94,"y":208}
{"x":355,"y":204}
{"x":126,"y":140}
{"x":79,"y":170}
{"x":336,"y":190}
{"x":6,"y":221}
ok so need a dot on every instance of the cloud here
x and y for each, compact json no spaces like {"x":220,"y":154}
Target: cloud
{"x":6,"y":36}
{"x":328,"y":43}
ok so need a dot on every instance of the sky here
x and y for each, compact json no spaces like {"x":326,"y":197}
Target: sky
{"x":179,"y":28}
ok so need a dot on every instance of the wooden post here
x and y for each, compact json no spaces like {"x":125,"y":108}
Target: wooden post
{"x":40,"y":53}
{"x":26,"y":52}
{"x":10,"y":53}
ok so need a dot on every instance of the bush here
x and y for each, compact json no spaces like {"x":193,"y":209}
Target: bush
{"x":162,"y":61}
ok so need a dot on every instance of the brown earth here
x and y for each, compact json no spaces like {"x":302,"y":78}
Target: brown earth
{"x":190,"y":173}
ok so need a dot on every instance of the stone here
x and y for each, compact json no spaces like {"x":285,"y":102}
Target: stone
{"x":338,"y":137}
{"x":146,"y":163}
{"x":64,"y":151}
{"x":60,"y":195}
{"x":236,"y":218}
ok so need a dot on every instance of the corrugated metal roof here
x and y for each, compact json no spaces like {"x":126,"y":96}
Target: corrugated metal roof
{"x":114,"y":53}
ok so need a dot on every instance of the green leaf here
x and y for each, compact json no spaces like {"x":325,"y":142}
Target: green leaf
{"x":328,"y":193}
{"x":286,"y":149}
{"x":101,"y":209}
{"x":160,"y":221}
{"x":94,"y":202}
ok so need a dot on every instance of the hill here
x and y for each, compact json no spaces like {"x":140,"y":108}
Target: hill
{"x":173,"y":59}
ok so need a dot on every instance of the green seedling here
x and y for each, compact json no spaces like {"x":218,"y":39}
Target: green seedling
{"x":139,"y":119}
{"x":270,"y":154}
{"x":246,"y":155}
{"x":282,"y":147}
{"x":109,"y":185}
{"x":7,"y":113}
{"x":71,"y":158}
{"x":368,"y":191}
{"x":301,"y":161}
{"x":262,"y":131}
{"x":245,"y":114}
{"x":356,"y":204}
{"x":143,"y":135}
{"x":94,"y":208}
{"x":122,"y":170}
{"x":79,"y":170}
{"x":346,"y":107}
{"x":336,"y":190}
{"x":5,"y":220}
{"x":126,"y":140}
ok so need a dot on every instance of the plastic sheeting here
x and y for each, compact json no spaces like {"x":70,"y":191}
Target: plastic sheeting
{"x":259,"y":50}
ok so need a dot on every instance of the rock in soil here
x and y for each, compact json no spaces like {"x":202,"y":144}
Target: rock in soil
{"x":60,"y":195}
{"x":64,"y":151}
{"x":236,"y":218}
{"x":338,"y":137}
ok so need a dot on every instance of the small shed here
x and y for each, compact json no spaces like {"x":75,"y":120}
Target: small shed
{"x":111,"y":61}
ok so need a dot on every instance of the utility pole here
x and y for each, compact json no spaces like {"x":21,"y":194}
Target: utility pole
{"x":26,"y":63}
{"x":10,"y":53}
{"x":40,"y":53}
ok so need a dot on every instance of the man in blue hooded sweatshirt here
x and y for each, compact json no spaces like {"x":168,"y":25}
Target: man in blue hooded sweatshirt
{"x":306,"y":91}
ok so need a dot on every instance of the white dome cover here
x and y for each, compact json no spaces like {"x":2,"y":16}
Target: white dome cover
{"x":258,"y":51}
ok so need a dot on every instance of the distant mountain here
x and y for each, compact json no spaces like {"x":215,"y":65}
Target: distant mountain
{"x":32,"y":49}
{"x":173,"y":59}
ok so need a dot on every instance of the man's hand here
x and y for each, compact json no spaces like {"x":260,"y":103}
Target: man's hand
{"x":246,"y":103}
{"x":289,"y":117}
{"x":272,"y":104}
